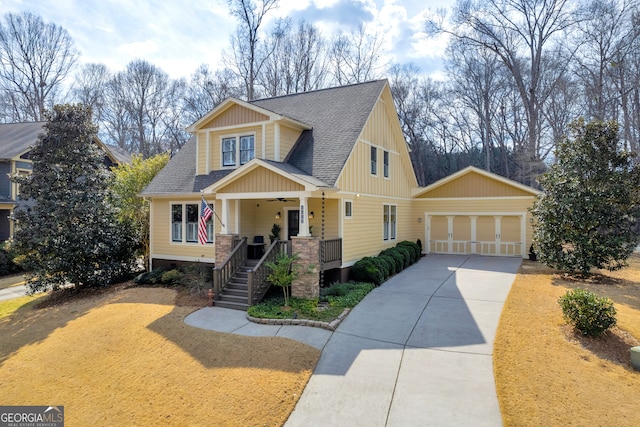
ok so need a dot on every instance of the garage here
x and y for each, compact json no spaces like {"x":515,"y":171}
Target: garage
{"x":476,"y":212}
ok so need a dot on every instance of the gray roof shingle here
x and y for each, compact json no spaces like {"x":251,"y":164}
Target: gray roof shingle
{"x":16,"y":138}
{"x":337,"y":116}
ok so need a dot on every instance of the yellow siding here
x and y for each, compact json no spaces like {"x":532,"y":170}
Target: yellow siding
{"x":235,"y":115}
{"x":161,"y":231}
{"x":270,"y":138}
{"x":261,"y":180}
{"x":363,"y":234}
{"x":288,"y":138}
{"x":475,"y":185}
{"x":379,"y":131}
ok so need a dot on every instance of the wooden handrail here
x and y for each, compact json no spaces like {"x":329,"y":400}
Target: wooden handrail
{"x":258,"y":283}
{"x":224,"y":273}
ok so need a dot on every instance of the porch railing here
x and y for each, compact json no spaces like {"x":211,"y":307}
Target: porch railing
{"x":332,"y":253}
{"x":258,"y":285}
{"x":224,"y":273}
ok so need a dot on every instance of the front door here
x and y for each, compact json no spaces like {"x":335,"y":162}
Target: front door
{"x":293,"y":223}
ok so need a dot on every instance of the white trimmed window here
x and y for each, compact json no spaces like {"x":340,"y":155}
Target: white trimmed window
{"x":237,"y":147}
{"x":348,"y":209}
{"x":374,"y":161}
{"x":184,"y":223}
{"x":389,"y":222}
{"x":385,"y":158}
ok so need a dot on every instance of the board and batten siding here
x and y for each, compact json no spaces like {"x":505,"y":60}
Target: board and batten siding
{"x":235,"y":115}
{"x":215,"y":146}
{"x":363,"y":234}
{"x":261,"y":180}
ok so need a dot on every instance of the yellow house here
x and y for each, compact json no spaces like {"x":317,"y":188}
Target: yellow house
{"x":330,"y":169}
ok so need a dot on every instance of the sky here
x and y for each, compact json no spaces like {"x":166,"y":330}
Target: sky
{"x":180,"y":35}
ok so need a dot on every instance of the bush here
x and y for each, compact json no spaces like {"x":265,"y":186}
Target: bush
{"x":150,"y":277}
{"x":7,"y":263}
{"x":590,"y":314}
{"x":381,"y":266}
{"x":390,"y":261}
{"x":172,"y":277}
{"x":407,"y":255}
{"x":415,"y":249}
{"x":386,"y":264}
{"x":397,"y":256}
{"x":365,"y":270}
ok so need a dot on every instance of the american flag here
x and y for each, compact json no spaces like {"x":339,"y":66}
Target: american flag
{"x":205,"y":214}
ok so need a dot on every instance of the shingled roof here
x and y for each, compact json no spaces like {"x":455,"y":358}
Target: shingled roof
{"x":337,"y":116}
{"x":16,"y":138}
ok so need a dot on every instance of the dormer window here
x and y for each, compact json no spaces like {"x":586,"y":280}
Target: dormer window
{"x":237,"y":147}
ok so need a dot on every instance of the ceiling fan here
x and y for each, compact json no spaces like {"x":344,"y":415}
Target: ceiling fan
{"x":279,"y":199}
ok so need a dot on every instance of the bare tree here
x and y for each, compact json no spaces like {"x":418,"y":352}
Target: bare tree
{"x":206,"y":89}
{"x":34,"y":60}
{"x":355,"y":57}
{"x":89,"y":87}
{"x":520,"y":33}
{"x":244,"y":44}
{"x":294,"y":59}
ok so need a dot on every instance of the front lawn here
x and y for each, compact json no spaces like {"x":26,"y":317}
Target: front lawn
{"x":547,"y":375}
{"x":126,"y":357}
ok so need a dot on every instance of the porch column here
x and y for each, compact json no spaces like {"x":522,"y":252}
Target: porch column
{"x":224,"y":227}
{"x":498,"y":219}
{"x":303,"y":221}
{"x":307,"y":285}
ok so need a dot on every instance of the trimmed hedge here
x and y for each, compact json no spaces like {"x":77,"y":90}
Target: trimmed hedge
{"x":389,"y":262}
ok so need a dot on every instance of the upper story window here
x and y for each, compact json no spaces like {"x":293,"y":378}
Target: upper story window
{"x":385,"y":164}
{"x":374,"y":161}
{"x":237,"y":147}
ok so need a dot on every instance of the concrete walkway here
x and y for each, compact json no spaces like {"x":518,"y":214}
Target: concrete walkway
{"x":417,"y":351}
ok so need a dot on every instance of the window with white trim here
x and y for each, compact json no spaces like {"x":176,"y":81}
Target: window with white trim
{"x":237,"y":147}
{"x":348,"y":209}
{"x":389,"y":222}
{"x":374,"y":161}
{"x":385,"y":158}
{"x":184,"y":223}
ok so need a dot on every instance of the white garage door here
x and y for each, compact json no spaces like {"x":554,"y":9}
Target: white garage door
{"x":500,"y":234}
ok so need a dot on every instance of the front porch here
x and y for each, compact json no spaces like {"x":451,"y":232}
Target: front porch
{"x":240,"y":282}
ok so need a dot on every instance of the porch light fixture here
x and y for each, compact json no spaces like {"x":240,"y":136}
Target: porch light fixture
{"x":311,"y":215}
{"x":278,"y":215}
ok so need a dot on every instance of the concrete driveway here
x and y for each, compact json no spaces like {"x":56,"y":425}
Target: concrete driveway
{"x":417,"y":351}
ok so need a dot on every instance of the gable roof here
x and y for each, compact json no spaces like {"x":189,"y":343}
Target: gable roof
{"x":516,"y":187}
{"x":337,"y":115}
{"x":16,"y":138}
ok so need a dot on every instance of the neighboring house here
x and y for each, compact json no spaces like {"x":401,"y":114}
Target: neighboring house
{"x":332,"y":169}
{"x":16,"y":141}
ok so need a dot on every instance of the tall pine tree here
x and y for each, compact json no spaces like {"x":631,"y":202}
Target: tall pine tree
{"x":68,"y":232}
{"x":587,"y":213}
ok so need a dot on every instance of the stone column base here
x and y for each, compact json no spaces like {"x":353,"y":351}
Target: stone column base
{"x":307,"y":285}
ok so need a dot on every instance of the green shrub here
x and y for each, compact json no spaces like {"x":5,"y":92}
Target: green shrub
{"x":151,"y":277}
{"x":587,"y":312}
{"x":381,"y":266}
{"x":172,"y":277}
{"x":7,"y":263}
{"x":391,"y":263}
{"x":365,"y":270}
{"x":385,"y":264}
{"x":355,"y":293}
{"x":397,"y":256}
{"x":407,"y":254}
{"x":415,"y":249}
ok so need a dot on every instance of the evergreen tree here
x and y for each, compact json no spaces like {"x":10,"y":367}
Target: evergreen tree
{"x":587,"y":213}
{"x":69,"y":233}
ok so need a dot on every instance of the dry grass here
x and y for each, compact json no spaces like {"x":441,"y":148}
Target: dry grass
{"x":127,"y":358}
{"x":547,"y":375}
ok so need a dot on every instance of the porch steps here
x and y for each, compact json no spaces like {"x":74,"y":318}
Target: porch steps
{"x":236,"y":294}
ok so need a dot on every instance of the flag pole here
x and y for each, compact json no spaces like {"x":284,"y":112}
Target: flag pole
{"x":214,"y":211}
